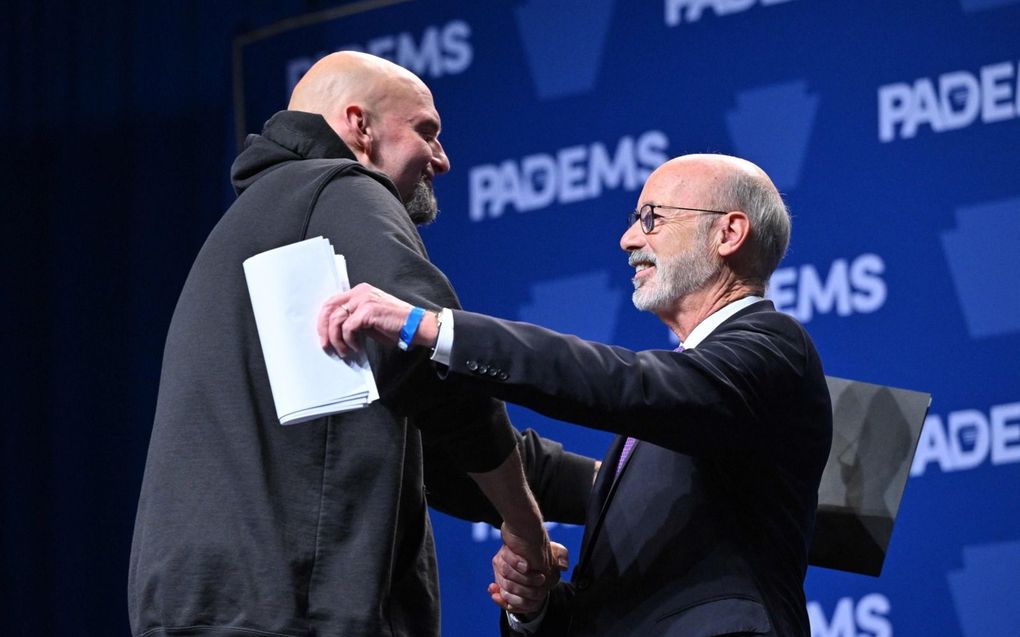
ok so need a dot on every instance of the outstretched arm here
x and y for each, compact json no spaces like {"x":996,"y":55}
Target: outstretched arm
{"x":522,"y":527}
{"x":369,"y":310}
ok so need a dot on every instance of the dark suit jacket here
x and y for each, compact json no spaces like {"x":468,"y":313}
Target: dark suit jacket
{"x":706,"y":530}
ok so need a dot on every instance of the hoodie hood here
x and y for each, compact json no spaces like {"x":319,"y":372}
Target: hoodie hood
{"x":286,"y":136}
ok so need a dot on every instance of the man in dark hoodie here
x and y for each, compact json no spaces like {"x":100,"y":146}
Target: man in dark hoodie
{"x":245,"y":527}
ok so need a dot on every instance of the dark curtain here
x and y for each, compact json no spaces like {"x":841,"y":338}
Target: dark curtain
{"x":117,"y":140}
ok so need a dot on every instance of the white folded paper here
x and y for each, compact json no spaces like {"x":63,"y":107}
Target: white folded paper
{"x":288,"y":286}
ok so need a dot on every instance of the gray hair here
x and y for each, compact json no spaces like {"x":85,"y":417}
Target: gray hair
{"x":756,"y":197}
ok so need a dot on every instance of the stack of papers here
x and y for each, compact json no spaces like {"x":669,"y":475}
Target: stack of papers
{"x":287,"y":287}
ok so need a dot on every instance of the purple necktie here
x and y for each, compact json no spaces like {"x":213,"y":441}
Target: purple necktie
{"x":628,"y":444}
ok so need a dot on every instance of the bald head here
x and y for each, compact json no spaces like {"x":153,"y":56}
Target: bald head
{"x":706,"y":175}
{"x":350,"y":77}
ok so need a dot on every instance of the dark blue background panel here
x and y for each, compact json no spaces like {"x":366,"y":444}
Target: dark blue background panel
{"x":892,"y":128}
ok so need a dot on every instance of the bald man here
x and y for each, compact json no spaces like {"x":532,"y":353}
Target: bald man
{"x":245,"y":527}
{"x":700,"y":519}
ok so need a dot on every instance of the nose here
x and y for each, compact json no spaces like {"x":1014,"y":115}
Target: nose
{"x":633,"y":238}
{"x":440,"y":162}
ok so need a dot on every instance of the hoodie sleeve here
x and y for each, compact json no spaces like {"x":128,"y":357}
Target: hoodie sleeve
{"x":360,"y":214}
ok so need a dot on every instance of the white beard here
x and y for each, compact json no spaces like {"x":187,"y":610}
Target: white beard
{"x":675,"y":277}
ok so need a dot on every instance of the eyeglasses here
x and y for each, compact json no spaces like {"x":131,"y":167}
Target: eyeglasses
{"x":648,"y":216}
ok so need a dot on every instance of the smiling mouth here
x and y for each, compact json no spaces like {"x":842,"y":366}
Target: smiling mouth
{"x":642,"y":270}
{"x":641,"y":264}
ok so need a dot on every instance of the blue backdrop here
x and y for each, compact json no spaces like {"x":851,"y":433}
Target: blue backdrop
{"x":893,"y":129}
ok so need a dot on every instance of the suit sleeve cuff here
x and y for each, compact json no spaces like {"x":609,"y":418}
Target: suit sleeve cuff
{"x":527,"y":627}
{"x":444,"y":339}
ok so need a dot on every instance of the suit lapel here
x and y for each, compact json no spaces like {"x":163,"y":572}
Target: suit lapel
{"x":602,"y":492}
{"x":607,"y":481}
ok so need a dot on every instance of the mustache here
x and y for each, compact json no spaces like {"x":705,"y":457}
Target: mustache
{"x":640,"y":256}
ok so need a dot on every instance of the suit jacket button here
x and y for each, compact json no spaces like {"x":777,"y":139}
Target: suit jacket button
{"x":483,"y":369}
{"x":503,"y":376}
{"x":472,"y":365}
{"x":493,"y":371}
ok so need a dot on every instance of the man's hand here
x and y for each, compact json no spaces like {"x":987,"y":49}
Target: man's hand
{"x":522,"y":583}
{"x":368,"y":310}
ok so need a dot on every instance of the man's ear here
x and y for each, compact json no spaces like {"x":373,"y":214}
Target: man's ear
{"x":354,"y":120}
{"x":735,"y":230}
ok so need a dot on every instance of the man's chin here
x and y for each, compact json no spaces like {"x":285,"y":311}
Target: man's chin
{"x":422,"y":207}
{"x":644,"y":299}
{"x":423,"y":217}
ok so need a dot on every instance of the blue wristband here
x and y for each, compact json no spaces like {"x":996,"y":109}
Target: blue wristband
{"x":410,"y":327}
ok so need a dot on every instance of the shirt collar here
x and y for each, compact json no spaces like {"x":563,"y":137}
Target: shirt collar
{"x":714,"y":320}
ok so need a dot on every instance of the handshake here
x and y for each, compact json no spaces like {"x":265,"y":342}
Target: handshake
{"x":524,"y":569}
{"x":528,"y":565}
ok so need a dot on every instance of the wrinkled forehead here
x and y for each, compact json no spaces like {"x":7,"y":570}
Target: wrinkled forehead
{"x":687,"y":184}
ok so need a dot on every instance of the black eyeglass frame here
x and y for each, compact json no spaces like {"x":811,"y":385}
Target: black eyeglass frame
{"x":648,"y":226}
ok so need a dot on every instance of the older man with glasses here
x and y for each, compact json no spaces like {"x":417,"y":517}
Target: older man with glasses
{"x":701,"y":516}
